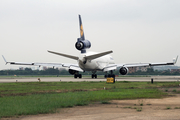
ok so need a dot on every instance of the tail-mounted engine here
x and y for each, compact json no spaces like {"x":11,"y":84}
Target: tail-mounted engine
{"x":82,"y":45}
{"x":123,"y":70}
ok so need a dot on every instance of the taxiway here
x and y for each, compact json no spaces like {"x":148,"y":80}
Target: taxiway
{"x":71,"y":79}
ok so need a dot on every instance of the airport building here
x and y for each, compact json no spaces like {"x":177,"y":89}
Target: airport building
{"x":175,"y":70}
{"x":132,"y":69}
{"x":135,"y":69}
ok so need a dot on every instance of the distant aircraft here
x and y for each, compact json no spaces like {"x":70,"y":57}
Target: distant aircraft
{"x":91,"y":61}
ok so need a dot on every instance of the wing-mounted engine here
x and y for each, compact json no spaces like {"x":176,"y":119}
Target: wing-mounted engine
{"x":123,"y":70}
{"x":72,"y":72}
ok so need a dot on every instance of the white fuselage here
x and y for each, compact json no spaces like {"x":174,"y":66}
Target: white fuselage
{"x":96,"y":64}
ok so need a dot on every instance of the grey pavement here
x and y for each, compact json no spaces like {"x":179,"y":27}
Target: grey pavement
{"x":68,"y":79}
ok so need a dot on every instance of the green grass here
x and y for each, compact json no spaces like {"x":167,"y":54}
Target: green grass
{"x":174,"y":90}
{"x":166,"y":90}
{"x":9,"y":89}
{"x":47,"y":97}
{"x":45,"y":103}
{"x":141,"y":104}
{"x":168,"y":108}
{"x":139,"y":109}
{"x":127,"y":107}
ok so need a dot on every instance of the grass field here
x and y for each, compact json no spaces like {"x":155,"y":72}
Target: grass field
{"x":47,"y":97}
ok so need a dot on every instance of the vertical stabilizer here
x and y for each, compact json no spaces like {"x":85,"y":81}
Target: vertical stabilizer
{"x":81,"y":43}
{"x":81,"y":29}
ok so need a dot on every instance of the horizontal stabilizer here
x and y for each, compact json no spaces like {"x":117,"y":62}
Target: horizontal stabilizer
{"x":175,"y":60}
{"x":4,"y":59}
{"x":65,"y":55}
{"x":91,"y":57}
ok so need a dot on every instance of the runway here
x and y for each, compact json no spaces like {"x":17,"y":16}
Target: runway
{"x":71,"y":79}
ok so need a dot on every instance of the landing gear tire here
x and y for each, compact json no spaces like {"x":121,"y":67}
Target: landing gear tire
{"x":105,"y":76}
{"x":80,"y":76}
{"x":77,"y":75}
{"x":94,"y":76}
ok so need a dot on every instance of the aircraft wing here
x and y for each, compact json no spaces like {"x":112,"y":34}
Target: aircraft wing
{"x":66,"y":65}
{"x":150,"y":64}
{"x":114,"y":66}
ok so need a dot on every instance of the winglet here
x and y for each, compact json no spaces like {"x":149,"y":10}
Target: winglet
{"x":4,"y":59}
{"x":175,"y":60}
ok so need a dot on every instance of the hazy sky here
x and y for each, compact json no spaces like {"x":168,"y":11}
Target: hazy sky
{"x":136,"y":30}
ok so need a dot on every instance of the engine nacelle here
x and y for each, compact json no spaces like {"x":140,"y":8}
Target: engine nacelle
{"x":83,"y":44}
{"x":72,"y":72}
{"x":123,"y":70}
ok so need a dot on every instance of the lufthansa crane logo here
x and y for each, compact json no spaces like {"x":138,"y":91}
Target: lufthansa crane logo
{"x":81,"y":30}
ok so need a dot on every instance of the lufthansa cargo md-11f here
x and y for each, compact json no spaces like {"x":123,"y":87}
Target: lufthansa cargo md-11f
{"x":91,"y":61}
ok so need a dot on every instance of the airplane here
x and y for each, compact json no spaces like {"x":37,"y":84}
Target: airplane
{"x":91,"y":61}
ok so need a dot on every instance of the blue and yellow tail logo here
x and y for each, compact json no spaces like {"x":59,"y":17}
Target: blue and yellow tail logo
{"x":81,"y":31}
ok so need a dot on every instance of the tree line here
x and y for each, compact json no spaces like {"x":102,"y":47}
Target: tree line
{"x":51,"y":71}
{"x":151,"y":71}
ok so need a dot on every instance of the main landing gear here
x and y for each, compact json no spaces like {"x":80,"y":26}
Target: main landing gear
{"x":94,"y":75}
{"x":77,"y":75}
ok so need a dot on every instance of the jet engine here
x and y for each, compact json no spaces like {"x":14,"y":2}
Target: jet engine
{"x":83,"y":44}
{"x":123,"y":70}
{"x":72,"y":72}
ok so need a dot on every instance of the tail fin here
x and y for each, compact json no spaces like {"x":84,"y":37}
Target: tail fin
{"x":81,"y":29}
